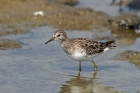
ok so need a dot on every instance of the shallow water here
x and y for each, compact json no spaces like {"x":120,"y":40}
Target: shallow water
{"x":40,"y":68}
{"x":104,"y":6}
{"x":100,"y":6}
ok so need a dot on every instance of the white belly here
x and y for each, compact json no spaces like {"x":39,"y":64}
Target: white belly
{"x":80,"y":57}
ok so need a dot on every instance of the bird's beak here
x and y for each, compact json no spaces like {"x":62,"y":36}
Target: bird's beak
{"x":49,"y":40}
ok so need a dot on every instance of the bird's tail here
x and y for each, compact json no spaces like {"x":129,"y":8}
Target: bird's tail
{"x":110,"y":44}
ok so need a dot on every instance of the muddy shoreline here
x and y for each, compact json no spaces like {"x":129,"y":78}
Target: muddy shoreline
{"x":18,"y":17}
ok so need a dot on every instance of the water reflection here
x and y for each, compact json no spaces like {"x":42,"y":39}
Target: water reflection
{"x":79,"y":84}
{"x":127,"y":37}
{"x":94,"y":74}
{"x":122,"y":36}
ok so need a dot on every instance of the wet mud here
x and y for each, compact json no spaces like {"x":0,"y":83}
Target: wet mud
{"x":9,"y":44}
{"x":18,"y":17}
{"x":58,"y":15}
{"x":132,"y":57}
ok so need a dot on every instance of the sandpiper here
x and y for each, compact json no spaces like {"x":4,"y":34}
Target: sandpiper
{"x":81,"y":49}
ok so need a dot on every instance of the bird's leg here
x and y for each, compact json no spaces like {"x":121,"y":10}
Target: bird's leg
{"x":95,"y":66}
{"x":80,"y":66}
{"x":79,"y":70}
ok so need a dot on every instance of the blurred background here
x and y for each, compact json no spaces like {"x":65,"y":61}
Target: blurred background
{"x":28,"y":65}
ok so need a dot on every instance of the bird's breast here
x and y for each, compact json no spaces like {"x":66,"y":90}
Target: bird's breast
{"x":79,"y":56}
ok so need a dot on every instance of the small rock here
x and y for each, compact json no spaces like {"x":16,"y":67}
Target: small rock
{"x":39,"y":13}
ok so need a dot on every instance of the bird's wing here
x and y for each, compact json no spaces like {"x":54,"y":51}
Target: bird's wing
{"x":91,"y":46}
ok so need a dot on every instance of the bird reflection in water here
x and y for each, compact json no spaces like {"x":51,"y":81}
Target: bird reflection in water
{"x":79,"y":84}
{"x":94,"y":74}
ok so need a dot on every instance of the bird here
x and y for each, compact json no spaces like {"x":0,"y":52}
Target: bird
{"x":81,"y":49}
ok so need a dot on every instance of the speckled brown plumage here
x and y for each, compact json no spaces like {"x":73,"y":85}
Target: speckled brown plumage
{"x":81,"y":49}
{"x":86,"y":45}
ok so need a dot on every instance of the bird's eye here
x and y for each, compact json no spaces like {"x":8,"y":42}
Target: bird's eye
{"x":58,"y":35}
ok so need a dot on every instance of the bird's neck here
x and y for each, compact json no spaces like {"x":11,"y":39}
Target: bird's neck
{"x":62,"y":41}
